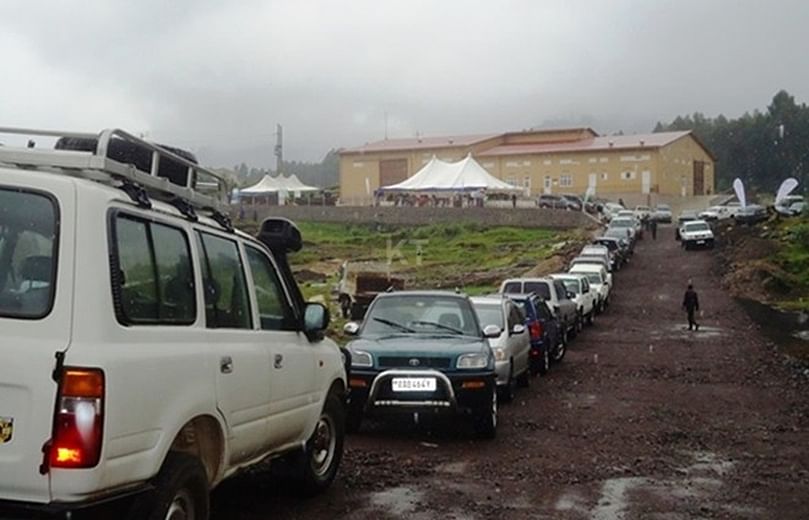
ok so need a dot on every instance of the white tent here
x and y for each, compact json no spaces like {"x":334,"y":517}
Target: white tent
{"x":267,"y":184}
{"x":464,"y":175}
{"x":294,"y":184}
{"x":270,"y":184}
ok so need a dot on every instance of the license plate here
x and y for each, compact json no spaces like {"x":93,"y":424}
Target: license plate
{"x":413,"y":384}
{"x":701,"y":242}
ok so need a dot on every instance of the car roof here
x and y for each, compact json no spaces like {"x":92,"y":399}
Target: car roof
{"x":532,"y":279}
{"x":610,"y":239}
{"x":445,"y":294}
{"x":587,"y":268}
{"x":692,"y":222}
{"x":488,"y":300}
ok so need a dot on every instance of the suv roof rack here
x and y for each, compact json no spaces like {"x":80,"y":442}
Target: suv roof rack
{"x":203,"y":189}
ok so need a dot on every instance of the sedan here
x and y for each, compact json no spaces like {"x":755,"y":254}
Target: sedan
{"x":511,"y":347}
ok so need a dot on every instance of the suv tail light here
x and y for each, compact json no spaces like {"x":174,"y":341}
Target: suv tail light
{"x":79,"y":419}
{"x":535,"y":330}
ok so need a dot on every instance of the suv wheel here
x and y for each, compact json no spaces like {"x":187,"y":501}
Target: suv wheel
{"x":559,"y":352}
{"x":317,"y":465}
{"x":181,"y":491}
{"x":545,"y":363}
{"x":485,"y":420}
{"x":591,"y":318}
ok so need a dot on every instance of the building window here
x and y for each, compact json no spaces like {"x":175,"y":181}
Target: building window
{"x":565,"y":181}
{"x":547,"y":182}
{"x":511,"y":180}
{"x":526,"y":182}
{"x":628,"y":175}
{"x":604,"y":176}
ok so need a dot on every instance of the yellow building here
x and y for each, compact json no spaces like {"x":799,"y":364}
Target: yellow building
{"x":640,"y":167}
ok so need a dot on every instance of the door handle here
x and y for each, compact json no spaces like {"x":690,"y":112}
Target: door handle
{"x":279,"y":361}
{"x":226,"y":365}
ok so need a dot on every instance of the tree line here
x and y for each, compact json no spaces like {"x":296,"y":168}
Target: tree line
{"x":762,"y":148}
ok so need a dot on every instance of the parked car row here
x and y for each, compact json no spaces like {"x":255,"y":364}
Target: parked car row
{"x":431,"y":353}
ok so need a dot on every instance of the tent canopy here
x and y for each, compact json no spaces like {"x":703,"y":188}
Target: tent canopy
{"x":269,"y":184}
{"x":464,"y":175}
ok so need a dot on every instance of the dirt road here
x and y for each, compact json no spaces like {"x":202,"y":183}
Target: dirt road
{"x":642,"y":419}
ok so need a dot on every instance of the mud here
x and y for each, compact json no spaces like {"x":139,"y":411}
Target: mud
{"x":643,"y":419}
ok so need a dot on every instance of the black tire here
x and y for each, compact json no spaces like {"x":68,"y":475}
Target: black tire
{"x":559,"y":352}
{"x":180,"y":491}
{"x":579,"y":323}
{"x":506,"y":393}
{"x":485,"y":419}
{"x":353,"y":418}
{"x":524,"y":379}
{"x":316,"y":466}
{"x":591,"y":318}
{"x":545,"y":362}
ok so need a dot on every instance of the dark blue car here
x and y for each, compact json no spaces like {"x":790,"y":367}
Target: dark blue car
{"x":547,"y":341}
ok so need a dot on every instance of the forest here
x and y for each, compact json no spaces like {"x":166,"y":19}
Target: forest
{"x":762,"y":148}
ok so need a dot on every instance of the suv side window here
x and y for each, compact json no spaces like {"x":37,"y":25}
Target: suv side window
{"x":561,"y":292}
{"x":153,"y":281}
{"x":226,"y":302}
{"x":585,"y":286}
{"x":274,"y":310}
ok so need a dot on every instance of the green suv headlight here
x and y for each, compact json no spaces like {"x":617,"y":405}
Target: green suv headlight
{"x":473,"y":361}
{"x":360,"y":358}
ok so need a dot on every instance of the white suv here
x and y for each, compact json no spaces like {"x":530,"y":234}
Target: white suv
{"x":696,"y":233}
{"x":148,"y":349}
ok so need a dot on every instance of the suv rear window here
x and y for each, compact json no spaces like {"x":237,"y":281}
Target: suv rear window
{"x":541,"y":289}
{"x":28,"y":233}
{"x":153,"y":281}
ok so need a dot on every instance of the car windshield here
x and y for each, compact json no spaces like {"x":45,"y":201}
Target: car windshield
{"x":27,"y":254}
{"x":697,"y":226}
{"x":421,"y":314}
{"x":541,"y":289}
{"x":489,"y":314}
{"x":571,"y":285}
{"x":621,"y":223}
{"x":593,"y":278}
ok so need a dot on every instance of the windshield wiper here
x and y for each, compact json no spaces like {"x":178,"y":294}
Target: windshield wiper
{"x":440,"y":326}
{"x":394,"y":324}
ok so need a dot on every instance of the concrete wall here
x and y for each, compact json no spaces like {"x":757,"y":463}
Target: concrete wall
{"x":519,"y":217}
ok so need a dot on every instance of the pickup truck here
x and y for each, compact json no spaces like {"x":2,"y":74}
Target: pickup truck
{"x":554,"y":293}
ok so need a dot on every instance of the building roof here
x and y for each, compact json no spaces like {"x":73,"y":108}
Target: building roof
{"x":603,"y":143}
{"x":420,"y":143}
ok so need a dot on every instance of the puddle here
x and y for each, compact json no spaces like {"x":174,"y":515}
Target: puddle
{"x":398,"y":501}
{"x":701,"y":480}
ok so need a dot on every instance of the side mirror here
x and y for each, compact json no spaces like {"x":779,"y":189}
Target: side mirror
{"x":519,"y":328}
{"x":570,"y":295}
{"x":315,"y":318}
{"x":492,"y":331}
{"x":351,"y":328}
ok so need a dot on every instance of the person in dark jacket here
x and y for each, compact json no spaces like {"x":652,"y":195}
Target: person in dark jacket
{"x":653,"y":227}
{"x":691,"y":305}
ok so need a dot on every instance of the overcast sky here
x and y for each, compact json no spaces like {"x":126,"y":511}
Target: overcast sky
{"x":215,"y":77}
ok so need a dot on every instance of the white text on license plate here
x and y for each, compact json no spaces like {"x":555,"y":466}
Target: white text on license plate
{"x":413,"y":384}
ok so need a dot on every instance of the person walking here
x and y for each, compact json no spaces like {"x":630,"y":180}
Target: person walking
{"x":691,"y":305}
{"x":653,"y":228}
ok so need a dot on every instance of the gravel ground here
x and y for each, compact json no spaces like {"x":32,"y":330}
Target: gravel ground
{"x":642,"y":419}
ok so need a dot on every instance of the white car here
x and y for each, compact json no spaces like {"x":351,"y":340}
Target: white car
{"x":715,"y":213}
{"x":512,"y":348}
{"x":642,"y":212}
{"x":602,"y":251}
{"x":599,"y":279}
{"x":588,"y":301}
{"x":696,"y":233}
{"x":150,"y":351}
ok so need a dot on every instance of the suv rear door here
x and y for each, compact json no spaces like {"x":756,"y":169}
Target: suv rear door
{"x":36,"y":268}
